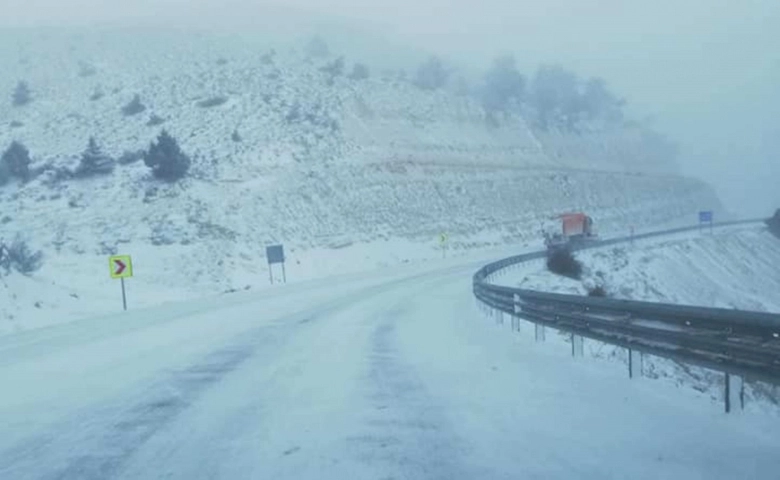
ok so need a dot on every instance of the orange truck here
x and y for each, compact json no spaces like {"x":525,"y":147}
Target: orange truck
{"x":575,"y":228}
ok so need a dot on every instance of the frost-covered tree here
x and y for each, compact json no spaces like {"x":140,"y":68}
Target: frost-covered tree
{"x":431,"y":74}
{"x":555,"y":96}
{"x":334,"y":68}
{"x":166,"y":159}
{"x":22,"y":94}
{"x":16,"y":160}
{"x":94,"y":161}
{"x":359,"y":72}
{"x":598,"y":103}
{"x":774,"y":223}
{"x":268,"y":58}
{"x":503,"y":86}
{"x":317,"y":47}
{"x":5,"y":173}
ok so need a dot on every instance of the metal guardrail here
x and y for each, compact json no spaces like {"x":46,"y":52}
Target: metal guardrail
{"x":736,"y":342}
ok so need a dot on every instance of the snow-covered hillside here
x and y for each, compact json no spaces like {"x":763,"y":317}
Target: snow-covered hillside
{"x":365,"y":171}
{"x":734,"y":267}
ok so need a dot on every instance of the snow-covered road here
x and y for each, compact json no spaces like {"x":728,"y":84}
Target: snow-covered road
{"x":368,"y":377}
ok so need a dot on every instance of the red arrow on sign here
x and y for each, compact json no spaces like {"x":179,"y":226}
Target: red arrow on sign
{"x":120,"y":267}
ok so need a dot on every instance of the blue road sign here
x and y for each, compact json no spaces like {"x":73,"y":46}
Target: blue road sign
{"x":705,"y":216}
{"x":275,"y":254}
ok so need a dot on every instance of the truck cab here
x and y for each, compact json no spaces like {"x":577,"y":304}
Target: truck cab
{"x":577,"y":227}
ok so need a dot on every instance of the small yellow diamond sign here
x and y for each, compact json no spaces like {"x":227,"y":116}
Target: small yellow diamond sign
{"x":120,"y":266}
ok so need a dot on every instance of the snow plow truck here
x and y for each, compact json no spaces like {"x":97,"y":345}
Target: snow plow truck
{"x":572,"y":230}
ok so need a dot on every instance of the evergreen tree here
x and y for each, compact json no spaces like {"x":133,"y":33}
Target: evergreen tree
{"x":359,"y":72}
{"x":504,"y":86}
{"x":94,"y":161}
{"x":21,"y":95}
{"x":5,"y":173}
{"x":134,"y":107}
{"x":431,"y":74}
{"x":317,"y":47}
{"x":166,"y":159}
{"x":555,"y":96}
{"x":16,"y":159}
{"x":334,"y":68}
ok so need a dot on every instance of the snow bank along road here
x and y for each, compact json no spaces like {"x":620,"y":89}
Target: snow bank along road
{"x":391,"y":375}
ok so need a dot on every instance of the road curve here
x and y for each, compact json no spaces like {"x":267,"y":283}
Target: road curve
{"x":387,"y":377}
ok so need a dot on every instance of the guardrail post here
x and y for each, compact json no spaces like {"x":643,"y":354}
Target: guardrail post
{"x":577,"y":346}
{"x":734,"y":392}
{"x":516,"y":308}
{"x":539,"y":332}
{"x":515,"y":323}
{"x":635,"y":361}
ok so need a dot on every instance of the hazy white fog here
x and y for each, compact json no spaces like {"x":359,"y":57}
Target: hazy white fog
{"x":706,"y":71}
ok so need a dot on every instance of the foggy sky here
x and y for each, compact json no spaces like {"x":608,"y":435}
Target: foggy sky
{"x":707,"y":71}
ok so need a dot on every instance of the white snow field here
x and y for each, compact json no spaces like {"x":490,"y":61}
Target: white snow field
{"x":392,"y":375}
{"x":349,"y":176}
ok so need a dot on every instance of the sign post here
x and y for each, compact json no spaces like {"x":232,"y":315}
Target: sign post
{"x":443,"y":238}
{"x":121,"y":267}
{"x":705,"y":216}
{"x":275,"y":254}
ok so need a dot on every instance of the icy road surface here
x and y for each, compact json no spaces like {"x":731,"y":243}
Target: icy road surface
{"x":384,"y":377}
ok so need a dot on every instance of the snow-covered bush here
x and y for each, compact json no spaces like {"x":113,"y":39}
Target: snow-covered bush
{"x":131,"y":156}
{"x":562,"y":262}
{"x":597,"y":291}
{"x":155,"y":120}
{"x":86,"y":69}
{"x":166,"y":159}
{"x":19,"y":257}
{"x":213,"y":101}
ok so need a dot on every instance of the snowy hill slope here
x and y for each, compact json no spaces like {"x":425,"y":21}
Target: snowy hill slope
{"x":368,"y":172}
{"x":730,"y":268}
